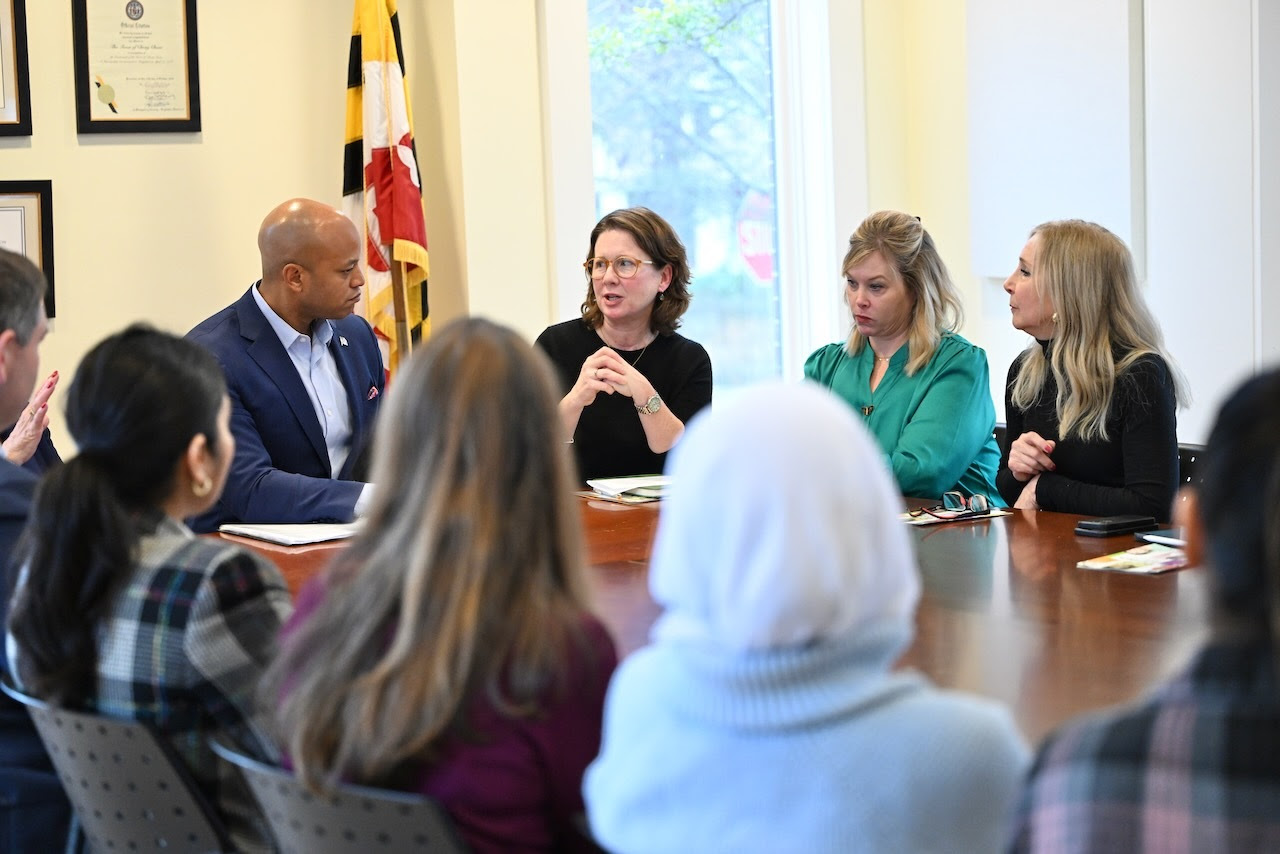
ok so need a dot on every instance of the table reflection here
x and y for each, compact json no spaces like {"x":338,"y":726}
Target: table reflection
{"x":1003,"y":613}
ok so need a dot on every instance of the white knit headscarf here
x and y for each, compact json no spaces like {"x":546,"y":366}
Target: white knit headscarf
{"x":781,"y":527}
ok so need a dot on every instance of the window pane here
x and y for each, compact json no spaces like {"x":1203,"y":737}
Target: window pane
{"x":683,"y":123}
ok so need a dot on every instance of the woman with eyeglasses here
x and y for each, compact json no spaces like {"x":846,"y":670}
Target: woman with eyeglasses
{"x":1091,"y":403}
{"x":922,"y":390}
{"x":630,"y":381}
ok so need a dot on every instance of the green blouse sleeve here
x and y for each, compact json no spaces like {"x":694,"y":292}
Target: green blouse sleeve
{"x":951,"y":423}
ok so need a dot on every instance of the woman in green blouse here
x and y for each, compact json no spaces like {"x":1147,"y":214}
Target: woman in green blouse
{"x":923,"y":390}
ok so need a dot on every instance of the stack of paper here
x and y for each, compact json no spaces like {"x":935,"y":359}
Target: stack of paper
{"x":294,"y":535}
{"x":631,"y":490}
{"x":1151,"y":558}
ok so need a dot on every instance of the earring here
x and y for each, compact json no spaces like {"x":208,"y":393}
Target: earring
{"x":201,"y":488}
{"x":1054,"y":318}
{"x":659,"y":296}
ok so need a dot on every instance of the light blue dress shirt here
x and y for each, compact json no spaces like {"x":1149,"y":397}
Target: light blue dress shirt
{"x":318,"y":371}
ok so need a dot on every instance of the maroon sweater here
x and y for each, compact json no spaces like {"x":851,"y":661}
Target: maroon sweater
{"x":517,"y":784}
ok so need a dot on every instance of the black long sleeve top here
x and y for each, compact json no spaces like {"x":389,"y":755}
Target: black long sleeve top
{"x":1134,"y":471}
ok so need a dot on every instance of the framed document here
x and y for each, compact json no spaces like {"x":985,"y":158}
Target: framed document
{"x":26,"y":226}
{"x":15,"y":76}
{"x":136,"y":68}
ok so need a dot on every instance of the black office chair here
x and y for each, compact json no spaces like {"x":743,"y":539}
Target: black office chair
{"x":1188,"y":456}
{"x":129,"y":789}
{"x":356,"y":819}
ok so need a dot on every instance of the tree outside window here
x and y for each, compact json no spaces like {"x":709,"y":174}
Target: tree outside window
{"x":683,"y":123}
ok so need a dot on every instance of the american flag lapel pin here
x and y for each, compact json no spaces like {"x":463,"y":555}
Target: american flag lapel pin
{"x":342,"y":341}
{"x":373,"y":392}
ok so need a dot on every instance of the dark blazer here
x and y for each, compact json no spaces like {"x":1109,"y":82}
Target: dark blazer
{"x":281,"y":470}
{"x":34,"y":813}
{"x":45,"y":457}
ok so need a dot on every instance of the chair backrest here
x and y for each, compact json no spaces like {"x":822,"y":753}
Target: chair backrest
{"x":1188,"y":455}
{"x":128,"y":787}
{"x":356,"y":819}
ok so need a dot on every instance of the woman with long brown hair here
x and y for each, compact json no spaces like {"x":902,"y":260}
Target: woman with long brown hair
{"x":448,"y":650}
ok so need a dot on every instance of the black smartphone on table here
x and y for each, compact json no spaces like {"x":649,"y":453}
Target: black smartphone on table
{"x":1111,"y":526}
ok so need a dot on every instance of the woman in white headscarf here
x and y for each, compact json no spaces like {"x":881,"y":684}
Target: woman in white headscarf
{"x":765,"y":715}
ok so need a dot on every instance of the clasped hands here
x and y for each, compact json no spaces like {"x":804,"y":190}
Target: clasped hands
{"x":1029,"y":455}
{"x":606,"y":371}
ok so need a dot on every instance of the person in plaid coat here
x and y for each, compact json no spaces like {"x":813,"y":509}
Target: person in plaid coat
{"x":118,"y":607}
{"x":1196,"y":765}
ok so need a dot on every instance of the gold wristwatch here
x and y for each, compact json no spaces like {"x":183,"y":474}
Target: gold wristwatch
{"x":651,"y":406}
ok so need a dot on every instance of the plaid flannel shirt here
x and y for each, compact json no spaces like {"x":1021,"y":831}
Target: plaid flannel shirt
{"x":1193,"y":768}
{"x":183,"y":648}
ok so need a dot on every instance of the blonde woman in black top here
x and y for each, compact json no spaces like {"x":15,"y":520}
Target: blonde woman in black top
{"x":1090,"y":404}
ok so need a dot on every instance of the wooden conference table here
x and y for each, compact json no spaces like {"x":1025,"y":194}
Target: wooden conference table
{"x":1004,"y":611}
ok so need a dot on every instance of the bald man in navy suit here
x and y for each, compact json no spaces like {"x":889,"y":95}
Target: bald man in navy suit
{"x":34,"y":813}
{"x":304,"y":374}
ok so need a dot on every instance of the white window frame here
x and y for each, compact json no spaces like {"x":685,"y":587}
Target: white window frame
{"x":819,"y":111}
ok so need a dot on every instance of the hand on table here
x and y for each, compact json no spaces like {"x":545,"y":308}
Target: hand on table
{"x":1027,"y":498}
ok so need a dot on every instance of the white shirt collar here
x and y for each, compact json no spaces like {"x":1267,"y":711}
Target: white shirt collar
{"x":321,"y":330}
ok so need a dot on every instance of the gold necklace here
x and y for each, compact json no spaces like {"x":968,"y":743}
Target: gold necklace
{"x":646,"y":347}
{"x":642,"y":350}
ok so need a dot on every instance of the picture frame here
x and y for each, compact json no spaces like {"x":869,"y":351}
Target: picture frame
{"x":26,"y":226}
{"x":136,"y":66}
{"x":15,"y":74}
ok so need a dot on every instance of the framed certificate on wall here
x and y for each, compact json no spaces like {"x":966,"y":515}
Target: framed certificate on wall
{"x":26,"y":226}
{"x":136,"y":66}
{"x":15,"y":76}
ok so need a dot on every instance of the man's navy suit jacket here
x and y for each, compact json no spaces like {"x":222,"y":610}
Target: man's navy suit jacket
{"x":281,"y":471}
{"x":34,"y":812}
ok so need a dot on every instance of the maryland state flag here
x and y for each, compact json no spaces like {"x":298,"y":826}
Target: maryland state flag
{"x":381,"y":190}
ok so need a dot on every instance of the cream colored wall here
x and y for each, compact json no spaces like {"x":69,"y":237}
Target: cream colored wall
{"x":474,"y":69}
{"x":917,"y":127}
{"x":428,"y":33}
{"x":162,"y":227}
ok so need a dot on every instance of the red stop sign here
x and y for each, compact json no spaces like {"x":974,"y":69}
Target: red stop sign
{"x":755,"y":234}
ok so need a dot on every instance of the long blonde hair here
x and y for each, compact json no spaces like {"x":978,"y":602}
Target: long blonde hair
{"x":1102,"y":327}
{"x":466,"y":580}
{"x":903,"y":242}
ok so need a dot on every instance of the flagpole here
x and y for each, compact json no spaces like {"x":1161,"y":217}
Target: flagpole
{"x":400,"y":300}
